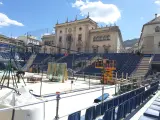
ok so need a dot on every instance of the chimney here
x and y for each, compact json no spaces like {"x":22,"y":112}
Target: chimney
{"x":156,"y":15}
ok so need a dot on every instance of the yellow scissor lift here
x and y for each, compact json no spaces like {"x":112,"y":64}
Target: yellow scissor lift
{"x":108,"y":67}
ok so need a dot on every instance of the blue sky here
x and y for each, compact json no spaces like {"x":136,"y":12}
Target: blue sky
{"x":20,"y":16}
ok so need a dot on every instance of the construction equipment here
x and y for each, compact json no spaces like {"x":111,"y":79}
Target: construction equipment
{"x":108,"y":67}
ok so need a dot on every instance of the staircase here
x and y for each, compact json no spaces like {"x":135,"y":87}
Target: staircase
{"x":92,"y":60}
{"x":89,"y":62}
{"x":143,"y":67}
{"x":61,"y":58}
{"x":46,"y":60}
{"x":29,"y":62}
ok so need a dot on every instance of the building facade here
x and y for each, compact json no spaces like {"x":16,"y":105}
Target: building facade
{"x":6,"y":42}
{"x":71,"y":37}
{"x":31,"y":44}
{"x":149,"y":42}
{"x":85,"y":36}
{"x":48,"y":44}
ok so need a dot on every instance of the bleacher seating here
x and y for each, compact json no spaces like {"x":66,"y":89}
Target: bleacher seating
{"x":130,"y":65}
{"x":24,"y":56}
{"x":45,"y":58}
{"x":40,"y":57}
{"x":72,"y":57}
{"x":75,"y":116}
{"x":125,"y":63}
{"x":5,"y":55}
{"x":156,"y":58}
{"x":153,"y":112}
{"x":2,"y":66}
{"x":119,"y":107}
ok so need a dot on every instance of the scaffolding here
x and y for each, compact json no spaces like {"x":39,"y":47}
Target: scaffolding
{"x":108,"y":67}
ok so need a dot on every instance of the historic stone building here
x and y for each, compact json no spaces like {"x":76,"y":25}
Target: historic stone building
{"x":5,"y":42}
{"x":31,"y":44}
{"x":85,"y":36}
{"x":48,"y":44}
{"x":150,"y":37}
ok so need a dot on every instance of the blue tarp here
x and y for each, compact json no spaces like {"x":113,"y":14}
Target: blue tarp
{"x":99,"y":99}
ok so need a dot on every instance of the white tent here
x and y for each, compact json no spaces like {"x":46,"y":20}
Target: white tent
{"x":34,"y":112}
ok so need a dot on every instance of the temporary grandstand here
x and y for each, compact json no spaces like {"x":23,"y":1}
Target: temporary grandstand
{"x":81,"y":96}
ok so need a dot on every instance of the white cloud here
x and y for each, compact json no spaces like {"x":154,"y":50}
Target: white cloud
{"x":1,"y":3}
{"x":99,"y":12}
{"x":5,"y":21}
{"x":157,"y":2}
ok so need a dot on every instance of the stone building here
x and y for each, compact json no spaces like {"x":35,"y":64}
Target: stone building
{"x":31,"y":44}
{"x":149,"y":42}
{"x":85,"y":36}
{"x":48,"y":44}
{"x":6,"y":42}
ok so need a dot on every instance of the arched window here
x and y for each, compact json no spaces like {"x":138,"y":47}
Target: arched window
{"x":157,"y":29}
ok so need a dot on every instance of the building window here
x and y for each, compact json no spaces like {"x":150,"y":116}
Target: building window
{"x":108,"y":37}
{"x":106,"y":50}
{"x":69,"y":39}
{"x":95,"y":49}
{"x":157,"y":29}
{"x":60,"y":31}
{"x":79,"y":49}
{"x":101,"y":38}
{"x":60,"y":39}
{"x":50,"y":50}
{"x":159,"y":44}
{"x":80,"y":28}
{"x":79,"y":37}
{"x":98,"y":38}
{"x":59,"y":50}
{"x":94,"y":38}
{"x":104,"y":37}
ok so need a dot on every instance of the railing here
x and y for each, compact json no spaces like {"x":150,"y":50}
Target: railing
{"x":102,"y":88}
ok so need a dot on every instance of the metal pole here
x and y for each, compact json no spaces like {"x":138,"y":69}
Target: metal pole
{"x":89,"y":82}
{"x":13,"y":112}
{"x":126,"y":76}
{"x":116,"y":84}
{"x":41,"y":84}
{"x":102,"y":94}
{"x":71,"y":84}
{"x":132,"y":83}
{"x":57,"y":107}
